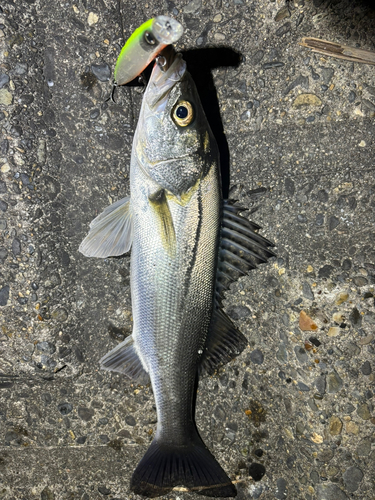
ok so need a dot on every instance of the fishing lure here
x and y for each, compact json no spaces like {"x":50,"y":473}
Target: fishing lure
{"x":144,"y":45}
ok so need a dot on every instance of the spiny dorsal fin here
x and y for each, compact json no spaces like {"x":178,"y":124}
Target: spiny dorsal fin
{"x":241,"y":248}
{"x":110,"y":233}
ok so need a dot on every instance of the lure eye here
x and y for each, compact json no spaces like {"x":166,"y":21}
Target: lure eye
{"x":183,"y":113}
{"x":149,"y":37}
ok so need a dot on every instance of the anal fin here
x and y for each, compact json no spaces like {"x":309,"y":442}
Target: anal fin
{"x":124,"y":359}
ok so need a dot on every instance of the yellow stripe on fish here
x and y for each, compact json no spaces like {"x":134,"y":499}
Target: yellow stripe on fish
{"x":159,"y":204}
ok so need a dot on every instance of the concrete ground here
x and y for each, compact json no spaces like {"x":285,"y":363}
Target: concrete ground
{"x":293,"y":416}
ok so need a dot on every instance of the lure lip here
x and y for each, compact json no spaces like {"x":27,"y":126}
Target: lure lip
{"x":167,"y":30}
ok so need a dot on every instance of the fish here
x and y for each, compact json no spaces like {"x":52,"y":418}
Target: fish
{"x":187,"y":246}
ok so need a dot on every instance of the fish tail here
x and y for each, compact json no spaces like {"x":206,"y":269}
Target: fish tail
{"x":165,"y":466}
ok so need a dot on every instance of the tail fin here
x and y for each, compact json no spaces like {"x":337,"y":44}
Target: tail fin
{"x":193,"y":466}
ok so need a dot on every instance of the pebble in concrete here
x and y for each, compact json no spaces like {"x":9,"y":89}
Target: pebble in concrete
{"x":330,"y":491}
{"x":4,"y":295}
{"x":352,"y":477}
{"x":281,"y":491}
{"x":101,"y":71}
{"x":257,"y":357}
{"x":334,"y":382}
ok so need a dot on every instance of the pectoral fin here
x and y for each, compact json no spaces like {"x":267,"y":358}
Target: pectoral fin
{"x":159,"y":204}
{"x":111,"y":232}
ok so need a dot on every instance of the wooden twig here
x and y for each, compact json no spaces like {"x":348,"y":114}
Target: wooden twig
{"x":333,"y":49}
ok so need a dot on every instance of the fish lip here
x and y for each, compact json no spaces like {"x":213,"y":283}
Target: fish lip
{"x":161,"y":83}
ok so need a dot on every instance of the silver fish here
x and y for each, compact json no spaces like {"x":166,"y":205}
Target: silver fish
{"x":188,"y":245}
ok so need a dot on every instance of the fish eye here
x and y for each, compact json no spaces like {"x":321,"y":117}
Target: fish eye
{"x":183,"y":113}
{"x":149,"y":37}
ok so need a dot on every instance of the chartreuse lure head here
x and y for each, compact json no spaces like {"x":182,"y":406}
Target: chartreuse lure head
{"x":144,"y":45}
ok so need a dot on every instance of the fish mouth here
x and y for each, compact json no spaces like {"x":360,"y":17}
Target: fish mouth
{"x":164,"y":78}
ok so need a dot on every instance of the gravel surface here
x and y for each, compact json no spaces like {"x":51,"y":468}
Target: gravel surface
{"x":293,"y":416}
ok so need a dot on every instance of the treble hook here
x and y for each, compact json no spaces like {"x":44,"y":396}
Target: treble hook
{"x":112,"y":94}
{"x":142,"y":81}
{"x":161,"y":61}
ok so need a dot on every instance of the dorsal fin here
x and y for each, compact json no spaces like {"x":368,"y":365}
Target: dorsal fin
{"x":224,"y":342}
{"x":241,"y":248}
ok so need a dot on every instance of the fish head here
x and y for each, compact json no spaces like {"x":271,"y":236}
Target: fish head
{"x":174,"y":143}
